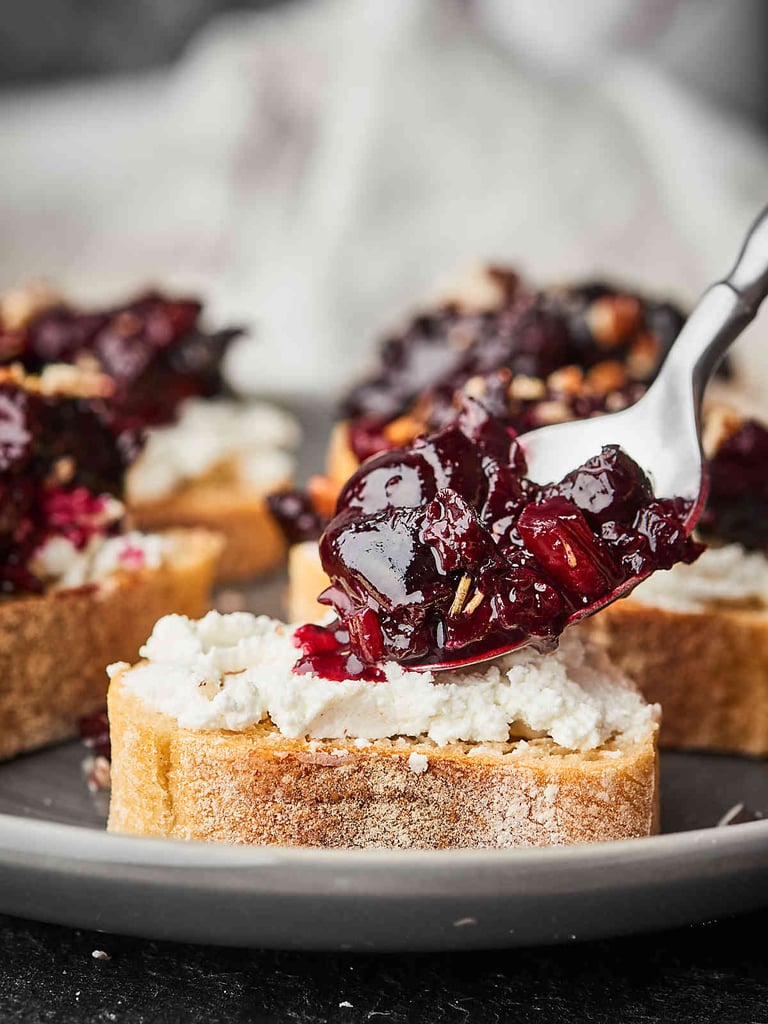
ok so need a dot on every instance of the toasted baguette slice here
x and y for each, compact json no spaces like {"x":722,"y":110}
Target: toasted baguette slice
{"x":708,"y":669}
{"x":340,"y":461}
{"x":253,"y":542}
{"x":306,"y":579}
{"x":256,"y":786}
{"x":53,"y":647}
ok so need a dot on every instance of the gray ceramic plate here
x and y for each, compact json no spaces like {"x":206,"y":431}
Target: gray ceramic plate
{"x":57,"y":864}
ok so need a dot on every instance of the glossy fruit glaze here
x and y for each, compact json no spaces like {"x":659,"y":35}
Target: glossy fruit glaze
{"x":443,"y":549}
{"x":154,"y":348}
{"x":539,"y":358}
{"x":737,"y":504}
{"x":615,"y":340}
{"x":296,"y":515}
{"x":61,"y":465}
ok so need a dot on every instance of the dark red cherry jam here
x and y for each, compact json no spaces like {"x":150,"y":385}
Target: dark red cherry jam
{"x":154,"y":348}
{"x":737,"y":505}
{"x":60,"y":461}
{"x":613,"y":340}
{"x":94,"y":732}
{"x":326,"y":652}
{"x":443,"y":549}
{"x":539,"y":358}
{"x":296,"y":515}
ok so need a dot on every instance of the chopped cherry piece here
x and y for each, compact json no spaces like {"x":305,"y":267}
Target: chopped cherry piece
{"x":504,"y":500}
{"x":607,"y":487}
{"x":82,"y":433}
{"x":367,"y":437}
{"x":559,"y":537}
{"x":737,"y":505}
{"x":391,"y":480}
{"x":656,"y":540}
{"x":542,"y":343}
{"x":296,"y":515}
{"x":365,"y":635}
{"x":453,"y":530}
{"x":407,"y":478}
{"x":440,"y":549}
{"x":526,"y":600}
{"x":660,"y":523}
{"x":381,"y":558}
{"x":469,"y":626}
{"x":476,"y":422}
{"x":58,"y":335}
{"x":326,"y":653}
{"x":338,"y":667}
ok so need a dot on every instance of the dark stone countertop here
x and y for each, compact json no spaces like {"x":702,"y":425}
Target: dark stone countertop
{"x":716,"y":971}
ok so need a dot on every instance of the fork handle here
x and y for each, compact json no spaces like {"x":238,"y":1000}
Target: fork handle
{"x":749,"y":277}
{"x":717,"y":320}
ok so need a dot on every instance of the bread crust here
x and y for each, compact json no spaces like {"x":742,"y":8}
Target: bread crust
{"x":257,"y":787}
{"x":708,"y":669}
{"x":54,"y":647}
{"x":341,"y":462}
{"x":253,"y":542}
{"x":306,"y":578}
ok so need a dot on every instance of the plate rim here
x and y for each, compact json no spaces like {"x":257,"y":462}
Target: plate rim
{"x":79,"y":843}
{"x":72,"y":872}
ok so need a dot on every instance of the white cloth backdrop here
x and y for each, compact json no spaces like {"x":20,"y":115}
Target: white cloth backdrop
{"x":316,"y":169}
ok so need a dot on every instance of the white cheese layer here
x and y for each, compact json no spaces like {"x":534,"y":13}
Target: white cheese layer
{"x":61,"y":564}
{"x":728,"y":576}
{"x":258,"y":436}
{"x":232,"y":671}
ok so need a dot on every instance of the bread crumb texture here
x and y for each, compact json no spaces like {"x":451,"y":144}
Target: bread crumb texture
{"x":256,"y":786}
{"x":54,"y":647}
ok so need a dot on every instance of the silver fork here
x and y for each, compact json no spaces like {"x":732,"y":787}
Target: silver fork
{"x":662,"y":431}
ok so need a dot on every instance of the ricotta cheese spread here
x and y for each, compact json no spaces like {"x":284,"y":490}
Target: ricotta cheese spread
{"x":728,"y":575}
{"x":233,"y":671}
{"x":258,"y":436}
{"x":61,"y":564}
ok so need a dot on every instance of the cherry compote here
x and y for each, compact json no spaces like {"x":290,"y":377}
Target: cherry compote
{"x":444,"y":549}
{"x":154,"y":348}
{"x":61,"y":466}
{"x":737,"y":504}
{"x":296,"y":515}
{"x":615,"y":341}
{"x":539,"y":358}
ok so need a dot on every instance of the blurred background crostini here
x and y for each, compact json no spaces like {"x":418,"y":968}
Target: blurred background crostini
{"x":312,"y":169}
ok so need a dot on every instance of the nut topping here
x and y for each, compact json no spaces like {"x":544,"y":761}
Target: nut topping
{"x":612,"y":318}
